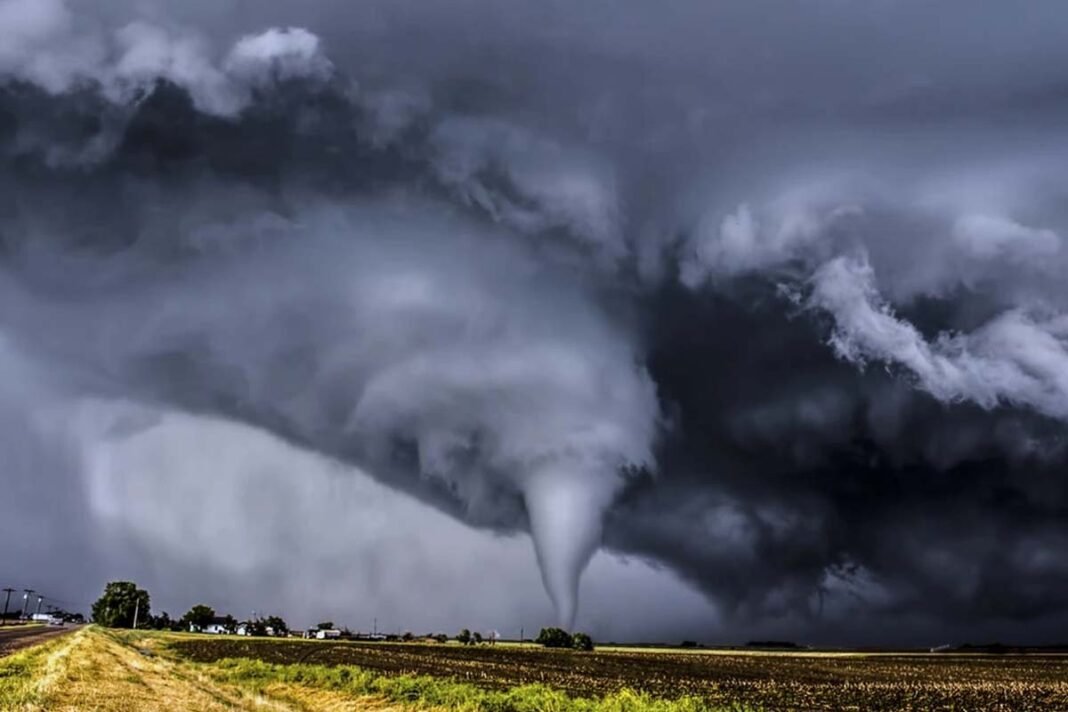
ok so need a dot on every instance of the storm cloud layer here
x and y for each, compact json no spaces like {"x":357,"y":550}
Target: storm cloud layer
{"x":770,"y":295}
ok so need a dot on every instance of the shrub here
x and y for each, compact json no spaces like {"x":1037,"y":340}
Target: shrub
{"x":581,"y":641}
{"x":554,"y":638}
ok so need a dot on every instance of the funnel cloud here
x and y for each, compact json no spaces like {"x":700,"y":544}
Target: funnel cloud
{"x":765,"y":299}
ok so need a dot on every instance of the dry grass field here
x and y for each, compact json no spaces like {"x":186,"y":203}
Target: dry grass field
{"x":94,"y":669}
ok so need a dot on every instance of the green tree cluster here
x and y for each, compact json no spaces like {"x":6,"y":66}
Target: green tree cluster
{"x":120,"y":603}
{"x":560,"y":638}
{"x":256,"y":627}
{"x":277,"y":625}
{"x":554,"y":638}
{"x":198,"y":618}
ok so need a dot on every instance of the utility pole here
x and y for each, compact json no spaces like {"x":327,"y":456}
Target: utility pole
{"x":7,"y":599}
{"x":40,"y":598}
{"x":26,"y":600}
{"x":137,"y":610}
{"x":520,"y":634}
{"x":375,"y":627}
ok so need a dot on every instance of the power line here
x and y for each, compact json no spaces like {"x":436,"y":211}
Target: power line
{"x":7,"y":599}
{"x":62,"y":602}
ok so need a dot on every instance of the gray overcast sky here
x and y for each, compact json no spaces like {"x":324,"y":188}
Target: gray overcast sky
{"x":749,"y":315}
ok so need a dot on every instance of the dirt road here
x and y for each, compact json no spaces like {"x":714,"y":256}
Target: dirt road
{"x":14,"y":637}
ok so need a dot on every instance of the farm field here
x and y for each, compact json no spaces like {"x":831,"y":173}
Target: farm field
{"x":770,"y":681}
{"x":101,"y":669}
{"x":104,"y":670}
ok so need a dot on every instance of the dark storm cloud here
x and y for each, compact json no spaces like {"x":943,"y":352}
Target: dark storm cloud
{"x":773,"y":289}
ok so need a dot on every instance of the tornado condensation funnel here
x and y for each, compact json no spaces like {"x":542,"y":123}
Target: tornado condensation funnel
{"x":565,"y":511}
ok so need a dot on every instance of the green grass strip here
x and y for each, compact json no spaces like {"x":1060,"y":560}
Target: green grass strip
{"x":426,"y":691}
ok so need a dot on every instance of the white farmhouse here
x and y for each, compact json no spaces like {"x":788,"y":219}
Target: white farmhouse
{"x":217,"y":626}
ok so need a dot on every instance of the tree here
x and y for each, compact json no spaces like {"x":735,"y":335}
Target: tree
{"x":464,"y":637}
{"x":256,"y":628}
{"x":122,"y":600}
{"x":476,"y":638}
{"x":277,"y":625}
{"x":198,"y":618}
{"x":161,"y":622}
{"x":326,"y":625}
{"x":441,"y":638}
{"x":229,"y":624}
{"x":581,"y":641}
{"x":554,"y":638}
{"x":407,"y":637}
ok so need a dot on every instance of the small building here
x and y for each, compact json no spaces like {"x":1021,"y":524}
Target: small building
{"x":217,"y":626}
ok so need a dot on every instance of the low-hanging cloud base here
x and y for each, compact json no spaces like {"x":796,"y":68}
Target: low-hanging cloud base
{"x":793,"y":332}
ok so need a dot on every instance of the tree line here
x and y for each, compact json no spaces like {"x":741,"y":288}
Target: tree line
{"x":124,"y":605}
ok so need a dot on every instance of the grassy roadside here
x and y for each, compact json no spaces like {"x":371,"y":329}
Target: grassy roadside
{"x":27,"y":676}
{"x":95,"y":669}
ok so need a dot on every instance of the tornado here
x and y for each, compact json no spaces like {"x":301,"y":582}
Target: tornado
{"x":566,"y":510}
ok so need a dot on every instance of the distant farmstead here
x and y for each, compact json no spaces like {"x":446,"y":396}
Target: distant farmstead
{"x":217,"y":626}
{"x":247,"y":628}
